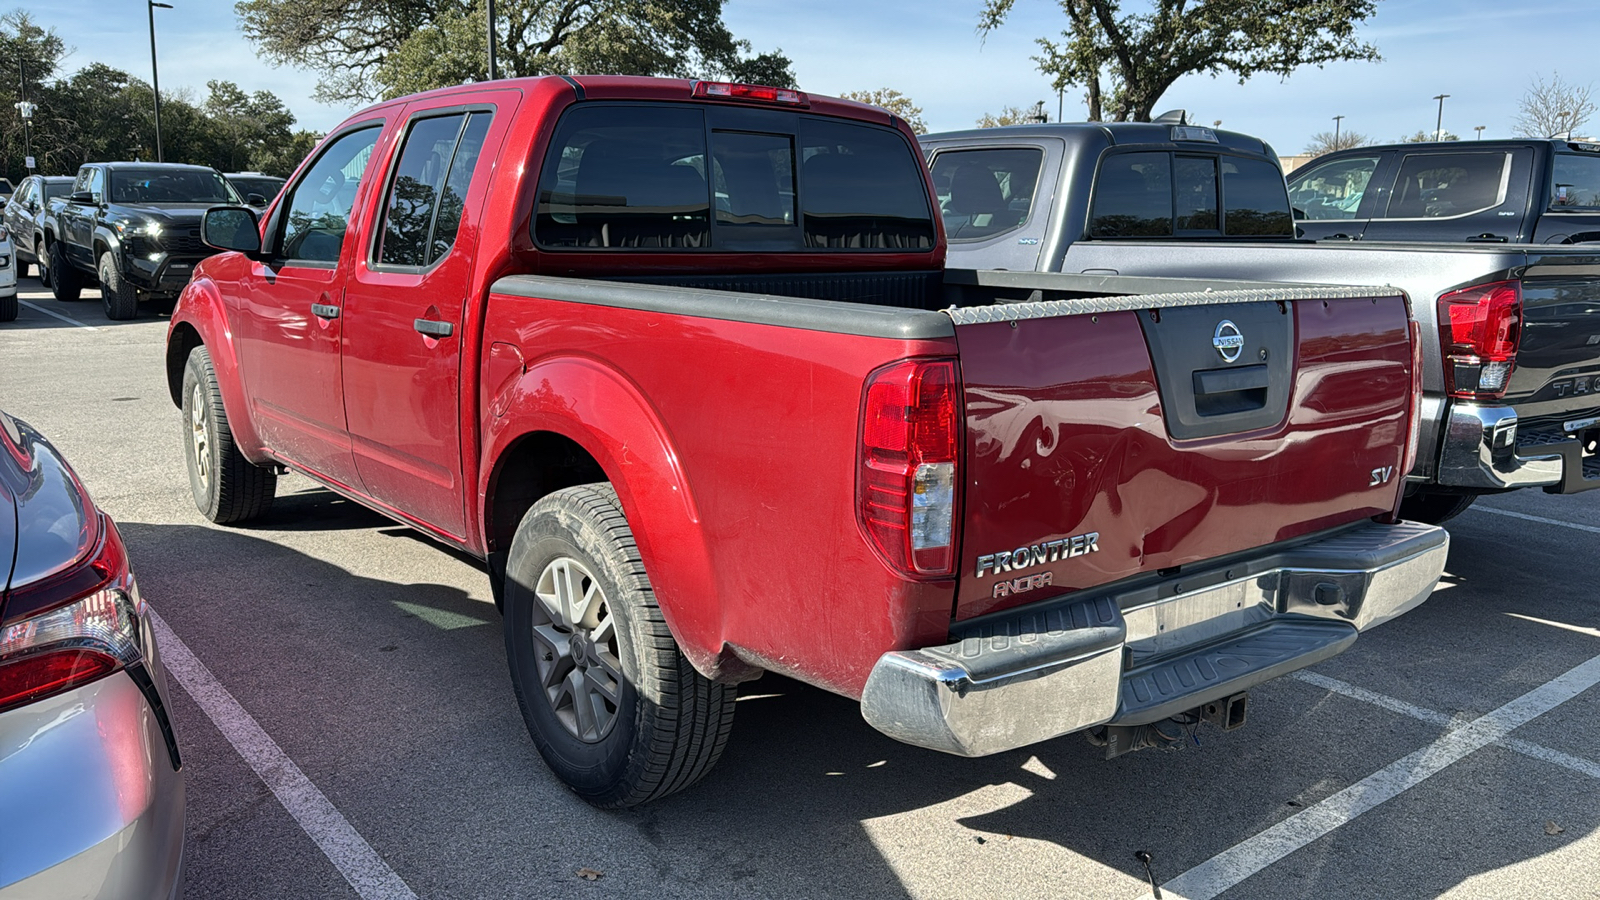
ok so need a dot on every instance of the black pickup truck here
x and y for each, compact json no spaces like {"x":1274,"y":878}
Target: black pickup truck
{"x":132,"y":227}
{"x":1511,"y":331}
{"x":1505,"y":191}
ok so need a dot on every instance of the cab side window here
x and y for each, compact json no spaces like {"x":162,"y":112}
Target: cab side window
{"x":1441,"y":185}
{"x":983,"y":193}
{"x":430,"y":183}
{"x":317,"y":210}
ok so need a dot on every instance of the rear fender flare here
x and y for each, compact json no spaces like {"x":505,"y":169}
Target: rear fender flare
{"x":604,"y":413}
{"x":201,"y":318}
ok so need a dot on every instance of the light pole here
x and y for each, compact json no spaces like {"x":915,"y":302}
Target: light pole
{"x":1479,"y":129}
{"x":155,"y":80}
{"x":1438,"y":126}
{"x":493,"y":74}
{"x":1561,"y":121}
{"x":1337,"y":120}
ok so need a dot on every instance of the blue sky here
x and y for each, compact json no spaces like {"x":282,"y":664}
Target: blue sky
{"x":1483,"y":53}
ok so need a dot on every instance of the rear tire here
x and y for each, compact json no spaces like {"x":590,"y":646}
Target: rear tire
{"x":119,"y":295}
{"x":8,"y":308}
{"x":227,"y":488}
{"x":1434,"y":507}
{"x":44,"y":263}
{"x":613,"y":706}
{"x":66,"y":283}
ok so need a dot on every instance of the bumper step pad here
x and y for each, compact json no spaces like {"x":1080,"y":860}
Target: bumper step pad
{"x":1178,"y":684}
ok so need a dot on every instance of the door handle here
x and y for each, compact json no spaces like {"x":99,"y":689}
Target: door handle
{"x":432,"y":328}
{"x":1487,"y":238}
{"x":324,"y":311}
{"x":1341,"y":236}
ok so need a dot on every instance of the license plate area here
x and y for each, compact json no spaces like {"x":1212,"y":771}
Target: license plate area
{"x":1180,"y":622}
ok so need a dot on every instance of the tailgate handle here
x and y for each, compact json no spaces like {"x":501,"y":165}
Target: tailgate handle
{"x":1219,"y":392}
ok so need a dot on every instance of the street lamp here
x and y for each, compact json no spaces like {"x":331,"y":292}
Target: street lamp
{"x":1039,"y":115}
{"x":155,"y":80}
{"x":1438,"y":126}
{"x":1337,"y":120}
{"x":1562,"y":128}
{"x":1479,"y":129}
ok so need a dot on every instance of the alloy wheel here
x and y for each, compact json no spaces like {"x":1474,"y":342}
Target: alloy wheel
{"x":577,"y":655}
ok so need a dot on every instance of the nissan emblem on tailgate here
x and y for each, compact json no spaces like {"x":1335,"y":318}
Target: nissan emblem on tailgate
{"x":1228,"y":340}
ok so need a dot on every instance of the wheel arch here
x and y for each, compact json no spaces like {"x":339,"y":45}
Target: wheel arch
{"x":575,"y":421}
{"x":200,"y":320}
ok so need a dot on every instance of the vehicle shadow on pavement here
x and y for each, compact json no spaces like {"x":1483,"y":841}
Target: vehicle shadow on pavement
{"x":808,"y":801}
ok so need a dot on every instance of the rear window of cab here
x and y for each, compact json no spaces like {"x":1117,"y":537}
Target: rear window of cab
{"x":687,"y":178}
{"x":1167,"y":194}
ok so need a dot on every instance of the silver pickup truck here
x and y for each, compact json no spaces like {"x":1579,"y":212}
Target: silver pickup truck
{"x":1511,"y":332}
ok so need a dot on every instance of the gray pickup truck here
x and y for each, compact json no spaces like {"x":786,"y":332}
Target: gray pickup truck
{"x":1511,"y":332}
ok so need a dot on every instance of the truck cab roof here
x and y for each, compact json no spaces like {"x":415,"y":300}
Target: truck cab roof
{"x":1119,"y":134}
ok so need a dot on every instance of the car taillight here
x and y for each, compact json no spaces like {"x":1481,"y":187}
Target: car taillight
{"x":1479,"y":330}
{"x":906,"y":486}
{"x":88,"y":626}
{"x":758,"y":93}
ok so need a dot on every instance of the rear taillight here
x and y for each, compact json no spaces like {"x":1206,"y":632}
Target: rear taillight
{"x":1479,"y":330}
{"x":906,"y":486}
{"x":757,"y":93}
{"x":88,"y":626}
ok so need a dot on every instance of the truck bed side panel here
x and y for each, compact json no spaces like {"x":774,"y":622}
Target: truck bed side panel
{"x":1067,"y":438}
{"x":760,"y":424}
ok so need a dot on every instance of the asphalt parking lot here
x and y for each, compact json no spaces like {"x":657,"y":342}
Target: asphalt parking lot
{"x":349,"y":729}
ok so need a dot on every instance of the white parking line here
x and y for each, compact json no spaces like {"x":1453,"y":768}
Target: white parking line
{"x":57,"y":315}
{"x":345,"y":848}
{"x":1526,"y":748}
{"x":1231,"y":866}
{"x":1540,"y":519}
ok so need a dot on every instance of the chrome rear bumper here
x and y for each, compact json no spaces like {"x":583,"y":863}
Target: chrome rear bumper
{"x":1154,"y":648}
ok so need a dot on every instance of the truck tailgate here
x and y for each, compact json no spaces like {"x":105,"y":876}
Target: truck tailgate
{"x":1558,"y":360}
{"x":1113,"y":436}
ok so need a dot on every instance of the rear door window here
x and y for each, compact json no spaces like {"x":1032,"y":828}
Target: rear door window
{"x":1445,"y":185}
{"x":983,"y":193}
{"x":1577,"y":182}
{"x":430,"y":180}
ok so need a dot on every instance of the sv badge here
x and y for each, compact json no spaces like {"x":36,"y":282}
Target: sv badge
{"x":1381,"y":476}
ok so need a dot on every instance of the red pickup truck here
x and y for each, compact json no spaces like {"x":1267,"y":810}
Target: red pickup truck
{"x":681,"y":362}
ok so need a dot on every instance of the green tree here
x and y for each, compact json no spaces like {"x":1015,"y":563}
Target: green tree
{"x":244,"y":128}
{"x":364,"y":49}
{"x":30,"y":56}
{"x":893,"y":101}
{"x":1125,"y":61}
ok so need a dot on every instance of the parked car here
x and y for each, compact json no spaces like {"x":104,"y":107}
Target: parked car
{"x":257,"y":189}
{"x":8,"y":276}
{"x":6,"y":190}
{"x":1511,"y":332}
{"x":132,"y":227}
{"x":704,"y":418}
{"x":23,"y":215}
{"x":91,"y":784}
{"x":1502,"y":191}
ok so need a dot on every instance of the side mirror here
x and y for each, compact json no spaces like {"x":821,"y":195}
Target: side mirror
{"x":256,"y":200}
{"x":82,"y":197}
{"x":232,"y":228}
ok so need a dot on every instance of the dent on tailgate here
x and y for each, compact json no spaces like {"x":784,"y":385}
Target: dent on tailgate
{"x":1069,"y":465}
